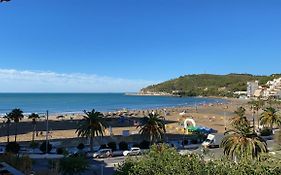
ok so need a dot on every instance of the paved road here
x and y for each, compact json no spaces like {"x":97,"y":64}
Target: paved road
{"x":106,"y":166}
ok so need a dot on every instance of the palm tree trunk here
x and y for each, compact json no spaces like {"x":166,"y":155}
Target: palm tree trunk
{"x":91,"y":143}
{"x":271,"y":127}
{"x":151,"y":139}
{"x":36,"y":130}
{"x":258,"y":118}
{"x":254,"y":123}
{"x":16,"y":132}
{"x":33,"y":133}
{"x":8,"y":133}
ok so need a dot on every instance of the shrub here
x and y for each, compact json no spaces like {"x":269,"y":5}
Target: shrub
{"x":194,"y":141}
{"x":123,"y":146}
{"x":112,"y":146}
{"x":33,"y":144}
{"x":60,"y":151}
{"x":136,"y":145}
{"x":103,"y":146}
{"x":169,"y":161}
{"x":73,"y":165}
{"x":144,"y":144}
{"x":13,"y":147}
{"x":266,"y":132}
{"x":43,"y":147}
{"x":24,"y":163}
{"x":81,"y":146}
{"x":185,"y":142}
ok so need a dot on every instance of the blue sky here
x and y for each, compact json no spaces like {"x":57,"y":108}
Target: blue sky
{"x":136,"y":42}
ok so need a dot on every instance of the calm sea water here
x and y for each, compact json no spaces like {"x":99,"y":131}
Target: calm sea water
{"x":76,"y":102}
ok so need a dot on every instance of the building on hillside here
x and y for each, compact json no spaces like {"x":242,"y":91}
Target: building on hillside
{"x":252,"y":87}
{"x":240,"y":93}
{"x":274,"y":88}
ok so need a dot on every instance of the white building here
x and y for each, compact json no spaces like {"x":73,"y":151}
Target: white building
{"x":274,"y":88}
{"x":252,"y":87}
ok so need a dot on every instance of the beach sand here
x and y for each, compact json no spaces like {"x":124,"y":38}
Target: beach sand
{"x":214,"y":116}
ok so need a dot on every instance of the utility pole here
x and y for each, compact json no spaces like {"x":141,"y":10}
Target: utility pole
{"x":47,"y":131}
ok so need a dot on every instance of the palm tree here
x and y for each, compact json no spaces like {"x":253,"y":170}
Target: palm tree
{"x":240,"y":119}
{"x":16,"y":115}
{"x":8,"y":123}
{"x":270,"y":117}
{"x":34,"y":118}
{"x":256,"y":105}
{"x":93,"y":124}
{"x":153,"y":127}
{"x":242,"y":142}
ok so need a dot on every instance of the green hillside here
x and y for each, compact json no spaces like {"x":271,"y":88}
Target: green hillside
{"x":208,"y":85}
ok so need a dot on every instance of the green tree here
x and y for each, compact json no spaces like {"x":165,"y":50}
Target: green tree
{"x":8,"y":124}
{"x":34,"y":117}
{"x":240,"y":119}
{"x":73,"y":165}
{"x":153,"y":127}
{"x":242,"y":142}
{"x":16,"y":115}
{"x":270,"y":117}
{"x":255,"y":106}
{"x":93,"y":124}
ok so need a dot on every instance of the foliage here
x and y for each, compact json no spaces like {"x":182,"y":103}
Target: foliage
{"x":255,"y":106}
{"x":103,"y":146}
{"x":144,"y":144}
{"x":73,"y":165}
{"x":61,"y":151}
{"x":13,"y":147}
{"x":207,"y":84}
{"x":123,"y":146}
{"x":270,"y":117}
{"x":162,"y":160}
{"x":240,"y":119}
{"x":266,"y":132}
{"x":33,"y":117}
{"x":7,"y":124}
{"x":16,"y":115}
{"x":93,"y":124}
{"x":33,"y":144}
{"x":153,"y":127}
{"x":81,"y":146}
{"x":44,"y":145}
{"x":242,"y":142}
{"x":112,"y":146}
{"x":194,"y":141}
{"x":185,"y":142}
{"x":24,"y":163}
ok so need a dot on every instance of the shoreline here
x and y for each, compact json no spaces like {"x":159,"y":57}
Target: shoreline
{"x":68,"y":113}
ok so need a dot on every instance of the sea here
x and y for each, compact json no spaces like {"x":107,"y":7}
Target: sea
{"x":103,"y":102}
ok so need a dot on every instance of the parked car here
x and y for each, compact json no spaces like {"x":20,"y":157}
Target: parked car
{"x":134,"y":151}
{"x":212,"y":141}
{"x":103,"y":153}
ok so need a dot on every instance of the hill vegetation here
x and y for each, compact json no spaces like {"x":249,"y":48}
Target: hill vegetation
{"x":208,"y":84}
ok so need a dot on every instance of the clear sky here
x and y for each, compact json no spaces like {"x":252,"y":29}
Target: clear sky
{"x":133,"y":42}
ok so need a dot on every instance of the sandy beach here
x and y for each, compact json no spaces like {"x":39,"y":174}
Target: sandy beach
{"x":214,"y":116}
